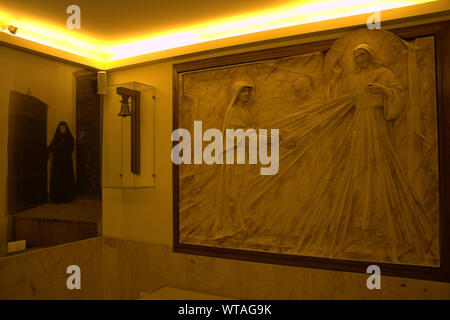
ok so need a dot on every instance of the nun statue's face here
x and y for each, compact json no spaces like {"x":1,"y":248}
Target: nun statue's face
{"x":62,"y":129}
{"x":362,"y":58}
{"x":245,"y":94}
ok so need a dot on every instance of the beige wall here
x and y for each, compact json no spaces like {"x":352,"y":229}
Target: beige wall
{"x":51,"y":82}
{"x":130,"y":268}
{"x":41,"y":273}
{"x":145,"y":215}
{"x":121,"y":269}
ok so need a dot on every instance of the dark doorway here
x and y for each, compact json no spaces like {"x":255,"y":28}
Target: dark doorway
{"x":27,"y":152}
{"x":88,"y":135}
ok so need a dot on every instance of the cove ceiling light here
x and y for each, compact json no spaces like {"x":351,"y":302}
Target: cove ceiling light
{"x":294,"y":14}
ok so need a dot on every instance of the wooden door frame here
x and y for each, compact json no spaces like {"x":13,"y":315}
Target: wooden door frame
{"x":12,"y":211}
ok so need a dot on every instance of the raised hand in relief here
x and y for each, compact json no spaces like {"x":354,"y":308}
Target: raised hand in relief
{"x":376,"y":88}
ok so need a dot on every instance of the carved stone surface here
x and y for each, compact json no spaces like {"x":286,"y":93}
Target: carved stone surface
{"x":358,"y":175}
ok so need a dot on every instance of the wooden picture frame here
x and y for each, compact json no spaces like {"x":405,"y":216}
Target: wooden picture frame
{"x":441,"y":32}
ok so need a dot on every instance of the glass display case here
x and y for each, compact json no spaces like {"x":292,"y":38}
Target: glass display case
{"x":129,"y":136}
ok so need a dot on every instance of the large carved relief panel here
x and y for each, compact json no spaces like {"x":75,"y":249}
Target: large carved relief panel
{"x":358,"y":173}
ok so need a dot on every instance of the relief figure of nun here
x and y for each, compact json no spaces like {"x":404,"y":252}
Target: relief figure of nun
{"x":62,"y":181}
{"x":230,"y":219}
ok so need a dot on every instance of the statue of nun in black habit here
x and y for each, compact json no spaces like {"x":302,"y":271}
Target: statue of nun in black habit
{"x":62,"y":181}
